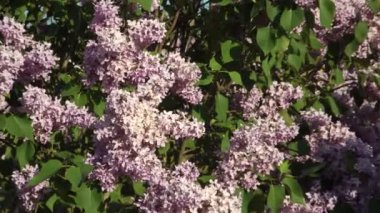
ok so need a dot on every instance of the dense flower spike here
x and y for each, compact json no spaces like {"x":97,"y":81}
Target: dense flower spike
{"x":347,"y":14}
{"x":21,"y":58}
{"x":49,"y":115}
{"x":253,"y":148}
{"x":29,"y":196}
{"x":321,"y":202}
{"x":253,"y":151}
{"x":116,"y":59}
{"x":332,"y":143}
{"x":178,"y":126}
{"x":128,"y":136}
{"x":186,"y":76}
{"x":328,"y":140}
{"x":145,"y":32}
{"x":13,"y":33}
{"x":105,"y":17}
{"x":254,"y":103}
{"x":38,"y":62}
{"x":11,"y":62}
{"x":178,"y":192}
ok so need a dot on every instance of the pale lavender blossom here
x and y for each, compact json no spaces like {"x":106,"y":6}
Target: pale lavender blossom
{"x":253,"y":151}
{"x":255,"y":103}
{"x":26,"y":60}
{"x":178,"y":192}
{"x":13,"y":33}
{"x":38,"y":62}
{"x":347,"y":14}
{"x":177,"y":125}
{"x":186,"y":76}
{"x":144,"y":32}
{"x":316,"y":202}
{"x":49,"y":115}
{"x":105,"y":16}
{"x":115,"y":59}
{"x":29,"y":196}
{"x":3,"y":103}
{"x":129,"y":134}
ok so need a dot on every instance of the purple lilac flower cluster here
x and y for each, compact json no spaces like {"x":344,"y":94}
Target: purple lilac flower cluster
{"x":132,"y":128}
{"x":179,"y":192}
{"x":114,"y":58}
{"x":254,"y":103}
{"x":333,"y":143}
{"x":317,"y":201}
{"x":371,"y":45}
{"x":21,"y":58}
{"x":49,"y":115}
{"x":347,"y":14}
{"x":30,"y":196}
{"x":254,"y":148}
{"x":186,"y":76}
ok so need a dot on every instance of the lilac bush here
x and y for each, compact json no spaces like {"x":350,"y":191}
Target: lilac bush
{"x":190,"y":106}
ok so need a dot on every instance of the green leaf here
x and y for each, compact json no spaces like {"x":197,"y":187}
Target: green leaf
{"x":284,"y":167}
{"x":99,"y":107}
{"x":314,"y":41}
{"x":333,"y":106}
{"x":327,"y":12}
{"x":88,"y":199}
{"x":48,"y":169}
{"x":247,"y":198}
{"x":19,"y":127}
{"x":265,"y":39}
{"x":361,"y":31}
{"x":214,"y":65}
{"x":351,"y":47}
{"x":71,"y":90}
{"x":224,"y":2}
{"x":300,"y":104}
{"x":3,"y":121}
{"x":312,"y":170}
{"x":51,"y":202}
{"x":205,"y":178}
{"x":206,"y":81}
{"x":298,"y":147}
{"x":318,"y":105}
{"x":338,"y":76}
{"x":374,"y":5}
{"x":139,"y":188}
{"x":226,"y":50}
{"x":235,"y":77}
{"x":84,"y":168}
{"x":287,"y":118}
{"x":282,"y":44}
{"x":275,"y":197}
{"x":291,"y":19}
{"x":296,"y":192}
{"x":81,"y":99}
{"x":24,"y":153}
{"x":74,"y":176}
{"x":225,"y":146}
{"x":267,"y":65}
{"x":221,"y":107}
{"x":145,"y":4}
{"x":272,"y":11}
{"x":295,"y":61}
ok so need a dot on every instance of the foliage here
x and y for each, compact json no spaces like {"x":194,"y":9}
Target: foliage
{"x":312,"y":56}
